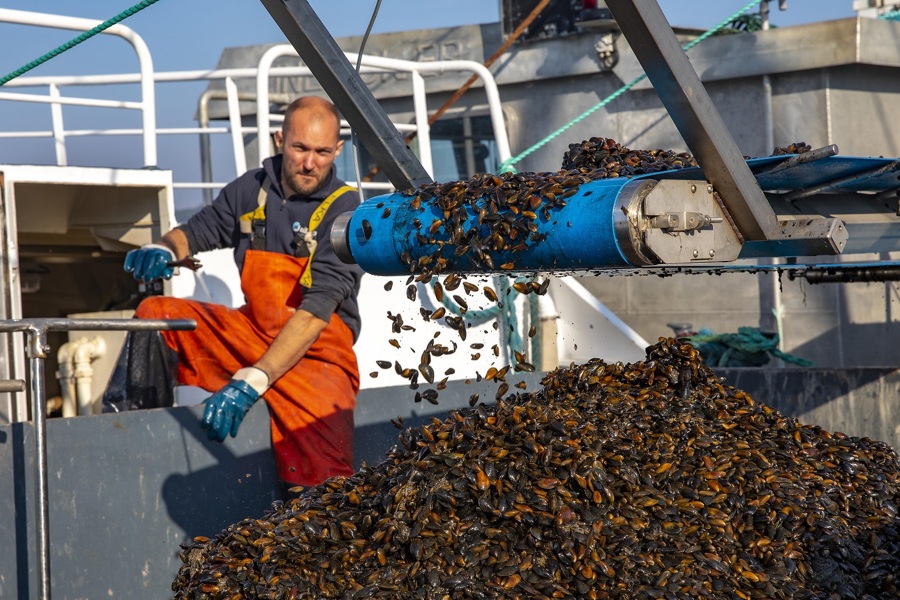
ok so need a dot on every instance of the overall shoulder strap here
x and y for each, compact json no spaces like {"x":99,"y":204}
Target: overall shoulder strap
{"x":317,"y":217}
{"x":259,"y":213}
{"x":319,"y":214}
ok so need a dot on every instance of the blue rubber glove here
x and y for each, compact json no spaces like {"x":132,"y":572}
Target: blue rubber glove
{"x":226,"y":409}
{"x":149,"y":262}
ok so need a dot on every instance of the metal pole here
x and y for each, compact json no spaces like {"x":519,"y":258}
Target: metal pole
{"x":326,"y":61}
{"x":37,"y":352}
{"x":35,"y":331}
{"x":699,"y":123}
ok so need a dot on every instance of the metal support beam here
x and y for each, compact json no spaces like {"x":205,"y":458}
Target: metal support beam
{"x":306,"y":33}
{"x":690,"y":107}
{"x":682,"y":93}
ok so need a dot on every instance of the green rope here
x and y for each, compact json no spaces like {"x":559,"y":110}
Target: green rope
{"x":534,"y":317}
{"x":894,"y":15}
{"x":507,"y":165}
{"x":748,"y":347}
{"x":77,"y":40}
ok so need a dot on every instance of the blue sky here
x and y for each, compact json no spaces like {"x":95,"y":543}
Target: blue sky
{"x":190,"y":34}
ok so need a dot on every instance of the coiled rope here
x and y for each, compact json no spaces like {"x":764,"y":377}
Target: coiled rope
{"x":509,"y":164}
{"x":749,"y":347}
{"x":77,"y":40}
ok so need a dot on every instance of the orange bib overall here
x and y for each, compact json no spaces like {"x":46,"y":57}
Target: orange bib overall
{"x":311,"y":406}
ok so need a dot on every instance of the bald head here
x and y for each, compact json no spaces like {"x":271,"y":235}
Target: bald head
{"x":310,"y":141}
{"x":311,"y":108}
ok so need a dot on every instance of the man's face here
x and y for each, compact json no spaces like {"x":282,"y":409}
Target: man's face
{"x":310,"y":144}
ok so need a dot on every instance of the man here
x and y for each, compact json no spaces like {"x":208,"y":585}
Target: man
{"x":292,"y":342}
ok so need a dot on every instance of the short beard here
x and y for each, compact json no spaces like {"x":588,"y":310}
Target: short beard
{"x":300,"y":186}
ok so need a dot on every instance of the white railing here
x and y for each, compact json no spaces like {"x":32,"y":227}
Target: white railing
{"x":262,"y":74}
{"x":147,"y":106}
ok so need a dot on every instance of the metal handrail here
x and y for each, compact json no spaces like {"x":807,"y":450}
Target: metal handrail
{"x":37,"y":349}
{"x":147,"y":106}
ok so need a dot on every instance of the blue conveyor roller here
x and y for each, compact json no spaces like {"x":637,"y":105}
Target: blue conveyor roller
{"x":381,"y":233}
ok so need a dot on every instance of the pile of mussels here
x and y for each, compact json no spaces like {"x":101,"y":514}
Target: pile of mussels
{"x":647,"y":480}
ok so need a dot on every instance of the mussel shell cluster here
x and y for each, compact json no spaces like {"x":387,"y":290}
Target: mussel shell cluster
{"x":608,"y":158}
{"x":648,"y":480}
{"x":792,"y":148}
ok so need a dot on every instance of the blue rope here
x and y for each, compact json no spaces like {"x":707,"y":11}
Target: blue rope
{"x":749,"y":347}
{"x":77,"y":40}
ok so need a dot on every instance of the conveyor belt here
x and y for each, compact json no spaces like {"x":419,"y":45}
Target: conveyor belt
{"x":846,"y":173}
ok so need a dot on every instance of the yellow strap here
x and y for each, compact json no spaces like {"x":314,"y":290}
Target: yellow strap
{"x":316,"y":218}
{"x":319,"y":213}
{"x":259,"y":214}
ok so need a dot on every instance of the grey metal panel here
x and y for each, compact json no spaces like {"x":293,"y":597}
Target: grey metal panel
{"x":864,"y":107}
{"x":800,"y":111}
{"x":826,"y":44}
{"x":125,"y":490}
{"x":877,"y":42}
{"x":856,"y":402}
{"x":785,"y":49}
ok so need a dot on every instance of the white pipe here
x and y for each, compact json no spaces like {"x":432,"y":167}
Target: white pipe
{"x":264,"y":70}
{"x":90,"y":132}
{"x":262,"y":97}
{"x":15,"y":97}
{"x":440,"y":66}
{"x":59,"y":130}
{"x":66,"y":376}
{"x":86,"y":351}
{"x":423,"y":129}
{"x":237,"y":130}
{"x":166,"y":76}
{"x":547,"y":308}
{"x":601,"y":309}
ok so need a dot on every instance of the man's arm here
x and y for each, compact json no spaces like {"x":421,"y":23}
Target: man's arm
{"x":177,"y":242}
{"x":291,"y":344}
{"x":225,"y":410}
